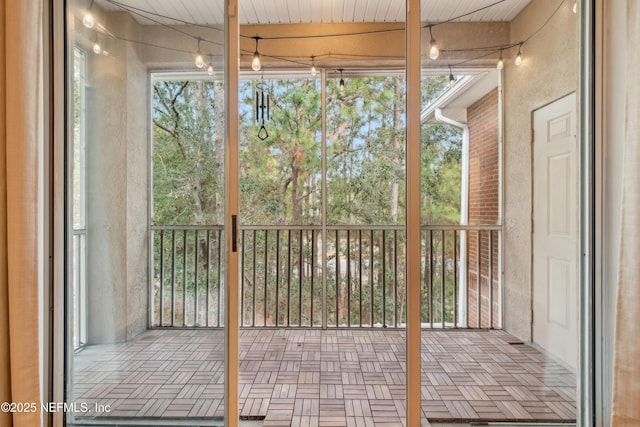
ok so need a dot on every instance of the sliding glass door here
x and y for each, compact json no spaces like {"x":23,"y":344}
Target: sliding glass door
{"x":147,"y":213}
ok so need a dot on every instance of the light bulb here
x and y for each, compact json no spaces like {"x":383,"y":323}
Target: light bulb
{"x":341,"y":85}
{"x":500,"y":64}
{"x":210,"y":70}
{"x":575,"y":7}
{"x":199,"y":60}
{"x":434,"y":52}
{"x":313,"y":65}
{"x":452,"y":80}
{"x":97,"y":48}
{"x":518,"y":60}
{"x":255,"y":64}
{"x":88,"y":20}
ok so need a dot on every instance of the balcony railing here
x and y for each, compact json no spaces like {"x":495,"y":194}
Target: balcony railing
{"x":187,"y":272}
{"x":79,"y":288}
{"x":339,"y":276}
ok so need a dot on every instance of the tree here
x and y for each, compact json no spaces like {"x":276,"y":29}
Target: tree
{"x":188,"y":157}
{"x":280,"y":176}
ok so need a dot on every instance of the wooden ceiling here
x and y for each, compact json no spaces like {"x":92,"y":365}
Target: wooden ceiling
{"x":211,"y":12}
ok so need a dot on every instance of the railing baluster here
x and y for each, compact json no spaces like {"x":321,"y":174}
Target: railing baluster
{"x":253,"y":260}
{"x":277,"y":275}
{"x":313,"y":272}
{"x":337,"y":278}
{"x":266,"y":274}
{"x":371,"y":276}
{"x":479,"y":277}
{"x":173,"y":277}
{"x":360,"y":272}
{"x":195,"y":281}
{"x":162,"y":276}
{"x":395,"y":278}
{"x":427,"y":265}
{"x":184,"y":278}
{"x":206,"y":316}
{"x":348,"y":278}
{"x":455,"y":279}
{"x":300,"y":275}
{"x":431,"y":272}
{"x":490,"y":268}
{"x":384,"y":278}
{"x":289,"y":277}
{"x":219,"y":280}
{"x":442,"y":284}
{"x":242,"y":281}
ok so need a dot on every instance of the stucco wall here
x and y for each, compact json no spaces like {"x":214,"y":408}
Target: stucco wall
{"x":550,"y":70}
{"x":117,"y":191}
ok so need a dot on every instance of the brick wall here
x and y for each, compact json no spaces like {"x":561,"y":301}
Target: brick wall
{"x":484,"y":187}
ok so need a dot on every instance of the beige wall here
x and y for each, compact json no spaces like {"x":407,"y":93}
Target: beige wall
{"x":549,"y":71}
{"x":117,"y":190}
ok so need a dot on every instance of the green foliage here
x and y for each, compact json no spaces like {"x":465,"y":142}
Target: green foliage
{"x":365,"y":151}
{"x":188,"y":156}
{"x":281,"y":184}
{"x":280,"y":176}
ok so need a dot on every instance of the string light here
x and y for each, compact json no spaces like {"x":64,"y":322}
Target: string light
{"x":341,"y":80}
{"x":210,"y":68}
{"x":199,"y":59}
{"x":452,"y":79}
{"x":518,"y":60}
{"x":313,"y":66}
{"x":434,"y":52}
{"x":88,"y":20}
{"x":500,"y":63}
{"x":255,"y":64}
{"x":97,"y":49}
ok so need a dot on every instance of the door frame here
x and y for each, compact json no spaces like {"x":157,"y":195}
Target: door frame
{"x":231,"y":291}
{"x":536,"y":228}
{"x":590,"y":122}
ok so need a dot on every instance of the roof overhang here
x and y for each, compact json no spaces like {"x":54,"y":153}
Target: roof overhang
{"x":469,"y":89}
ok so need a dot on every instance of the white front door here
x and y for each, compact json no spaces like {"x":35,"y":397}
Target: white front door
{"x":556,"y":229}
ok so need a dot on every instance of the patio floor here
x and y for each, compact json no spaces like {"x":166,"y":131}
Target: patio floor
{"x":309,"y":377}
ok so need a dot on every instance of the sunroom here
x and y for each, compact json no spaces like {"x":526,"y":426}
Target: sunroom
{"x":330,"y":226}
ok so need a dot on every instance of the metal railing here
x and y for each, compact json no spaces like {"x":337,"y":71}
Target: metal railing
{"x":340,"y":276}
{"x":187,"y":272}
{"x":79,"y":288}
{"x":289,"y":274}
{"x":461,"y":284}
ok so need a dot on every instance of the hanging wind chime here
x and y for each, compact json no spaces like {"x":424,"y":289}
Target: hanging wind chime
{"x":262,"y":110}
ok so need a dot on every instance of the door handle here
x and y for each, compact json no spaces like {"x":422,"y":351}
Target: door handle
{"x":234,"y":233}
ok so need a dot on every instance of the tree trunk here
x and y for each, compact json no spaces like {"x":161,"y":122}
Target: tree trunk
{"x":397,"y":129}
{"x":218,"y":114}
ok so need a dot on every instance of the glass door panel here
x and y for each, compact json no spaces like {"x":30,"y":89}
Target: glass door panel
{"x":146,"y":213}
{"x":500,"y":217}
{"x":322,"y":218}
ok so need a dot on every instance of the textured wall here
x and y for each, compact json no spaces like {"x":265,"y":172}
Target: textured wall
{"x":549,"y":71}
{"x":117,"y":153}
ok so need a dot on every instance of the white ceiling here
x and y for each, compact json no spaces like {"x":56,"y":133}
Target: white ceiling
{"x":211,"y":12}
